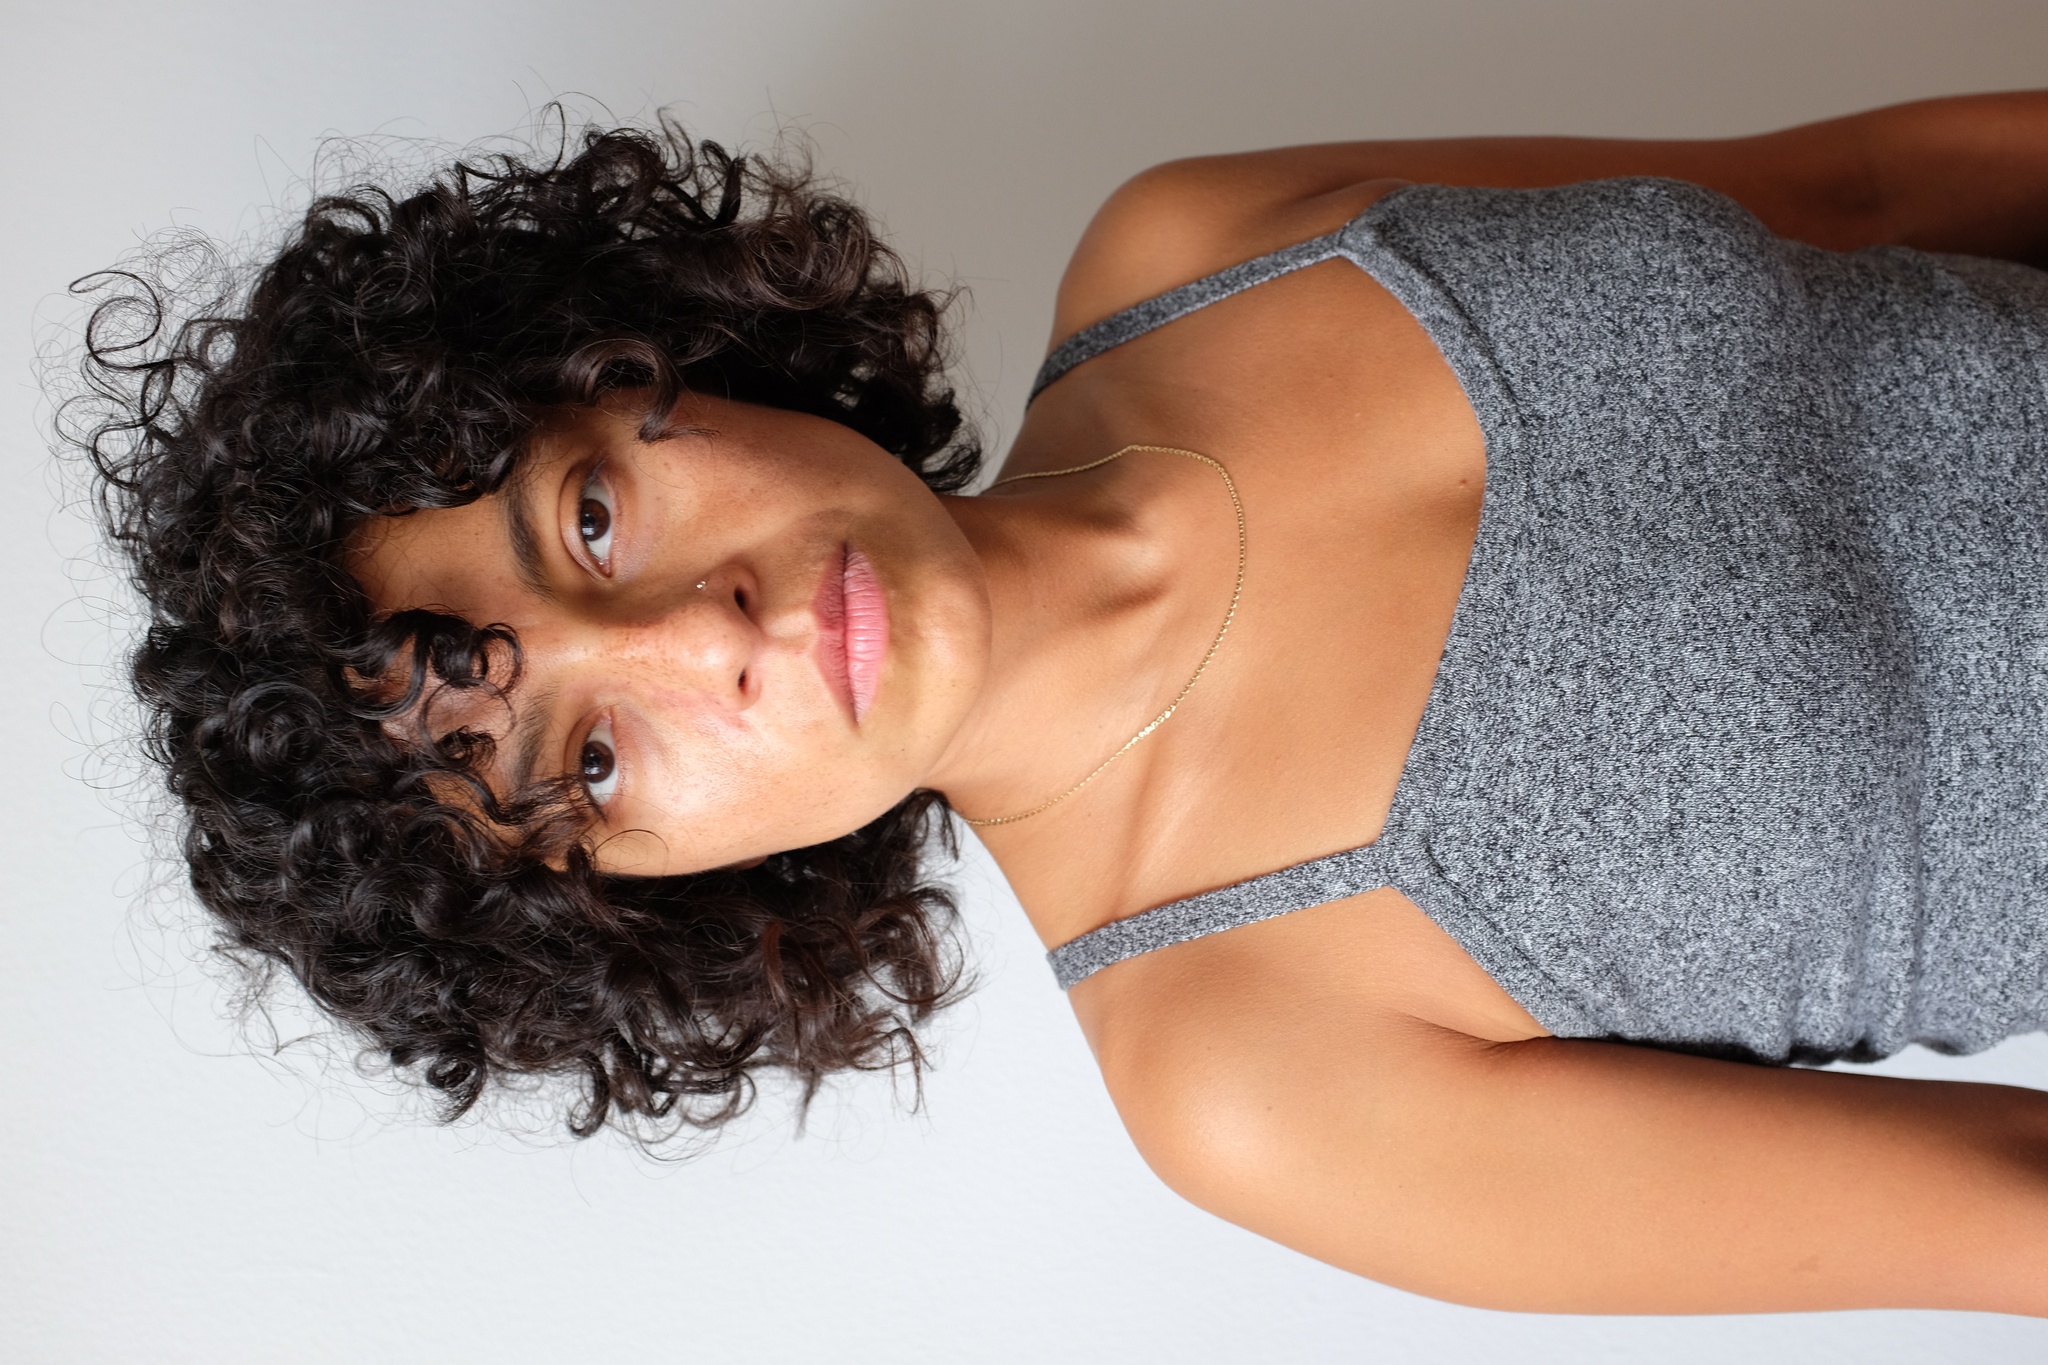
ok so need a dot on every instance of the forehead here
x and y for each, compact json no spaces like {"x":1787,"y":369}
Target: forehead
{"x":460,"y":559}
{"x":453,"y":559}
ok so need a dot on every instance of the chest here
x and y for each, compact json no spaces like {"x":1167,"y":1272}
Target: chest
{"x":1362,"y":472}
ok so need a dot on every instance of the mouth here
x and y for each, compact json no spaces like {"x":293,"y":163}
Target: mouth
{"x":853,"y":630}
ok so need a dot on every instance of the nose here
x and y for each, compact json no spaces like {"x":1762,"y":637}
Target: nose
{"x":705,"y":640}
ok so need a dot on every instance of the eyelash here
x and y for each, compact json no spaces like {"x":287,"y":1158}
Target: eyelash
{"x":596,"y":518}
{"x":597,"y":762}
{"x":599,"y":769}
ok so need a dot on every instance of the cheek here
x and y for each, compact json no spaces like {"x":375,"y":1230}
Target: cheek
{"x":804,"y":792}
{"x":723,"y":793}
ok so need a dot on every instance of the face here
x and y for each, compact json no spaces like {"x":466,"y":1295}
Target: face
{"x":752,"y":637}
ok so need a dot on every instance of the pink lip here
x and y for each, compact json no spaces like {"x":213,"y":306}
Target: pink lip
{"x":853,"y":630}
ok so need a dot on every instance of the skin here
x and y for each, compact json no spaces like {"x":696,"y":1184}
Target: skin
{"x":693,"y":635}
{"x":1423,"y":1130}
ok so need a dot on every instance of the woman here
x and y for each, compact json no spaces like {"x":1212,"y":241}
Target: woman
{"x":1459,"y":670}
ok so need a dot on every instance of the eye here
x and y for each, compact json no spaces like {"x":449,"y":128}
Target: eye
{"x":599,"y":764}
{"x":594,"y":518}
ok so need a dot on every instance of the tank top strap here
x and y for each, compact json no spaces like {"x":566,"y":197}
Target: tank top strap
{"x":1316,"y":882}
{"x":1155,"y":312}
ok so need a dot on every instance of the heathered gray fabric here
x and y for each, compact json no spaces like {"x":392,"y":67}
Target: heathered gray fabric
{"x":1739,"y":742}
{"x":1178,"y":303}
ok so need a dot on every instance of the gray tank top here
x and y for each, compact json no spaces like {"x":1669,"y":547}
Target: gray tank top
{"x":1739,"y":742}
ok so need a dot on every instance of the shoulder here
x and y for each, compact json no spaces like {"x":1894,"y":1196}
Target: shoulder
{"x":1182,"y":220}
{"x":1211,"y":1048}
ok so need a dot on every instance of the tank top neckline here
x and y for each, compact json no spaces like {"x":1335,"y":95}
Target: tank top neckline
{"x":1318,"y":880}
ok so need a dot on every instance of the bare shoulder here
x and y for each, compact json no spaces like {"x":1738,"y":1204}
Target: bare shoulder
{"x":1298,"y":1080}
{"x":1177,"y":222}
{"x":1187,"y":1036}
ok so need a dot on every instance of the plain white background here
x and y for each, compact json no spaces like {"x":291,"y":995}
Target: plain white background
{"x":176,"y":1192}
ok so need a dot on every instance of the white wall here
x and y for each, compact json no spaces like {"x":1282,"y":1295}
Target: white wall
{"x":169,"y":1196}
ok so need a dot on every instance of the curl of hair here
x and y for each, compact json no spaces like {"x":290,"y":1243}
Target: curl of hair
{"x":395,"y":353}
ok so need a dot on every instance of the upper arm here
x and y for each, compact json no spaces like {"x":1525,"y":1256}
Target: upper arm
{"x":1185,"y":219}
{"x":1180,"y":221}
{"x":1967,"y":174}
{"x":1573,"y":1176}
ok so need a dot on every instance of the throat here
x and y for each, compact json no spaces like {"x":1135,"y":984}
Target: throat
{"x":1110,"y":599}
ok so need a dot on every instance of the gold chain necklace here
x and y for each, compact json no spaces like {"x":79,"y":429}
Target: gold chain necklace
{"x":1236,"y":590}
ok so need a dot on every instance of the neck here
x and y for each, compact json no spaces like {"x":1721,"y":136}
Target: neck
{"x":1095,"y":621}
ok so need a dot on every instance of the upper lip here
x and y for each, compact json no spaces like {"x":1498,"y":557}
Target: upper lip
{"x":829,"y":606}
{"x":864,"y":629}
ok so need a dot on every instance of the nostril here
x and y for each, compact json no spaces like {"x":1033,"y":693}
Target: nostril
{"x":743,"y":680}
{"x":739,"y":596}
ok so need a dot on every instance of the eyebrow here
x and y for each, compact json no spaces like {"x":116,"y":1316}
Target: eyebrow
{"x":527,"y":561}
{"x":529,"y":732}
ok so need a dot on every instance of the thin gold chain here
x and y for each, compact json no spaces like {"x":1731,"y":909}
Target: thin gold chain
{"x":1237,"y":590}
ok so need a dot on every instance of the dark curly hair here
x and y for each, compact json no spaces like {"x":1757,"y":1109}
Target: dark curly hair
{"x":395,"y":354}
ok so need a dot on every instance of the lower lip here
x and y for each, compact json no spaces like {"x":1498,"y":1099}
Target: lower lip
{"x":854,"y":634}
